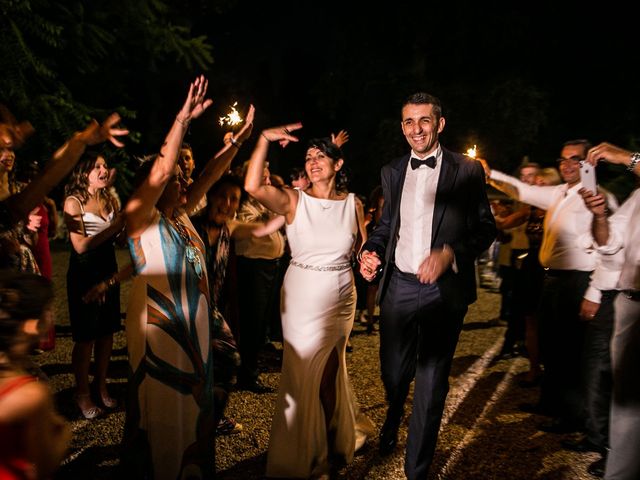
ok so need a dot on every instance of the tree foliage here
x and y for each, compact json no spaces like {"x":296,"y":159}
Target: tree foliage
{"x":66,"y":61}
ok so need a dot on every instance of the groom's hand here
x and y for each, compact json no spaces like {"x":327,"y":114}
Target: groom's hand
{"x":369,"y":263}
{"x":435,"y":265}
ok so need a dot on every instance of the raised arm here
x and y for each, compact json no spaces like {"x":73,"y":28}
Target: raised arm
{"x":63,"y":161}
{"x":139,"y":209}
{"x":275,"y":199}
{"x":613,"y":154}
{"x":242,"y":230}
{"x":219,"y":164}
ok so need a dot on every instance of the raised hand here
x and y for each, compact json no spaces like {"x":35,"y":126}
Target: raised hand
{"x":341,"y":138}
{"x":282,"y":134}
{"x":609,"y":153}
{"x":246,"y":129}
{"x":195,"y":103}
{"x":94,"y":133}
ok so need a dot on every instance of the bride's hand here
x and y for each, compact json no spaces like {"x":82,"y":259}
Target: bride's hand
{"x":282,"y":134}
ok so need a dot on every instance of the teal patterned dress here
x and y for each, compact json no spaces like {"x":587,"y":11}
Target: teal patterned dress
{"x":169,"y":431}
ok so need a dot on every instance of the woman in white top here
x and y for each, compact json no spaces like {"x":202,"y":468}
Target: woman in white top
{"x":93,"y":223}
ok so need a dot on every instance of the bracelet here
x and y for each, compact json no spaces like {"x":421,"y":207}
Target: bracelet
{"x":111,"y":282}
{"x":265,"y":137}
{"x":635,"y":159}
{"x":184,"y":123}
{"x":235,"y":143}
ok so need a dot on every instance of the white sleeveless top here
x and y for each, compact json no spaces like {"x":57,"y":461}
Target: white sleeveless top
{"x":323,"y":232}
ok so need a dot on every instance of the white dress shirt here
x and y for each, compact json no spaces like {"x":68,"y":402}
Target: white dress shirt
{"x":624,"y":233}
{"x":566,"y":223}
{"x":416,"y":214}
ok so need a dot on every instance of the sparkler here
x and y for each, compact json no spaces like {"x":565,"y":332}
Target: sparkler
{"x":232,"y":118}
{"x":472,"y":152}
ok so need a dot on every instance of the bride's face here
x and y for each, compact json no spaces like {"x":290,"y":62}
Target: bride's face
{"x":320,"y":166}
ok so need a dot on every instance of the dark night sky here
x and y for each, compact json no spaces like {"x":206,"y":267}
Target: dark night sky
{"x":515,"y":79}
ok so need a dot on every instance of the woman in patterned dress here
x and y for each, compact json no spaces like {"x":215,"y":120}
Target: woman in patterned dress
{"x":169,"y":431}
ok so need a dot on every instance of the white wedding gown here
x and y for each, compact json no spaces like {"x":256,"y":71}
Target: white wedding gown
{"x":318,"y":301}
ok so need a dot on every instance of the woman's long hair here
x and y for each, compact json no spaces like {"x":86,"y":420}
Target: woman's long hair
{"x":78,"y":184}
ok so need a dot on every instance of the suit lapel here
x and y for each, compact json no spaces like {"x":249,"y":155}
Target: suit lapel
{"x":398,"y":175}
{"x":446,"y":181}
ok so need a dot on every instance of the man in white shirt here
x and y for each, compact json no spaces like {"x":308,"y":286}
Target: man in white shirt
{"x":568,"y":265}
{"x":621,"y":231}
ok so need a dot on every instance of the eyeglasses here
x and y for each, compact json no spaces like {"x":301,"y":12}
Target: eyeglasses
{"x":574,"y":158}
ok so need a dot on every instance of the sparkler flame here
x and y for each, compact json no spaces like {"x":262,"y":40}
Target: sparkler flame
{"x":472,"y":152}
{"x":232,"y":118}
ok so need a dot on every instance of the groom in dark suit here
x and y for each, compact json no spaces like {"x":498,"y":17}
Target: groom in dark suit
{"x":435,"y":222}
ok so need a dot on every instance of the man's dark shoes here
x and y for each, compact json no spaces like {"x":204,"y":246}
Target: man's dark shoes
{"x":559,"y":425}
{"x":597,"y":468}
{"x":388,"y":440}
{"x":256,"y":387}
{"x":581,"y":445}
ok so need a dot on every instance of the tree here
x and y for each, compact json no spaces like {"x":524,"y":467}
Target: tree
{"x":66,"y":61}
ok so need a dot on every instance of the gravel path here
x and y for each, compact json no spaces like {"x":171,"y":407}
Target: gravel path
{"x":483,"y":435}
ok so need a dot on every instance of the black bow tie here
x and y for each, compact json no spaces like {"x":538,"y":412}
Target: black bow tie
{"x":429,"y":162}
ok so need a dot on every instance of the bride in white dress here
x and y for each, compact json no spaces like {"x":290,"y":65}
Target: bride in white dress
{"x":316,"y":415}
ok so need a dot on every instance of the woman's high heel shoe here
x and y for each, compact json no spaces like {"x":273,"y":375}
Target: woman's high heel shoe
{"x":88,"y":413}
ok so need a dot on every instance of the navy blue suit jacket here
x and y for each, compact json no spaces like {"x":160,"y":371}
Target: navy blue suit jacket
{"x":462,"y":219}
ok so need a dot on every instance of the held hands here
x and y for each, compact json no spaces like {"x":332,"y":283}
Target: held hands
{"x":435,"y":265}
{"x":195,"y":104}
{"x":369,"y":264}
{"x":282,"y":134}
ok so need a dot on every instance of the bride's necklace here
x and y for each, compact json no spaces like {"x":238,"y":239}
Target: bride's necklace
{"x":191,"y":252}
{"x":326,"y":203}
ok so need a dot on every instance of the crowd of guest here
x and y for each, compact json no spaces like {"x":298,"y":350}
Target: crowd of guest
{"x":198,"y":243}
